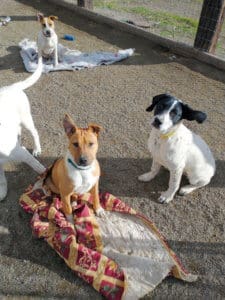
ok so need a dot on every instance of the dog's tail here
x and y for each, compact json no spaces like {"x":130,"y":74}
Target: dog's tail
{"x":32,"y":79}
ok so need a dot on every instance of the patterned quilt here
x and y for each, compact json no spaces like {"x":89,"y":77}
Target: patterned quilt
{"x":122,"y":255}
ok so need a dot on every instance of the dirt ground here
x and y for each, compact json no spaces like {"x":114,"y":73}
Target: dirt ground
{"x":115,"y":97}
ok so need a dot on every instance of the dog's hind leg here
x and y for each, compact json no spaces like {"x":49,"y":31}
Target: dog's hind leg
{"x":191,"y":187}
{"x":150,"y":175}
{"x":21,"y":154}
{"x":3,"y":184}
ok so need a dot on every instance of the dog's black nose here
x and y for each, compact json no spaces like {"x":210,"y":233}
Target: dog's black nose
{"x":48,"y":32}
{"x":83,"y":161}
{"x":156,"y":123}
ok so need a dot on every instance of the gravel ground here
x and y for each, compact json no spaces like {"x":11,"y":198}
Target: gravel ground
{"x":115,"y":97}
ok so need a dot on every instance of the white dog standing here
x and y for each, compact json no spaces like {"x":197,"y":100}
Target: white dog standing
{"x":47,"y":41}
{"x":14,"y":112}
{"x":178,"y":149}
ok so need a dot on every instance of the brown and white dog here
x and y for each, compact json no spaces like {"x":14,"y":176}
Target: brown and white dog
{"x":78,"y":171}
{"x":47,"y":40}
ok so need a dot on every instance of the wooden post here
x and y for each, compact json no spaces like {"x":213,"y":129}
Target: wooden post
{"x":85,"y":3}
{"x":210,"y":25}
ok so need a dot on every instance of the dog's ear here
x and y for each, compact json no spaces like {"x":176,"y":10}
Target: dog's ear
{"x":40,"y":17}
{"x":69,"y":126}
{"x":156,"y":100}
{"x":95,"y":128}
{"x":53,"y":18}
{"x":192,"y":115}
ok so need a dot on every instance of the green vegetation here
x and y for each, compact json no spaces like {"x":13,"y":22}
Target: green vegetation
{"x":166,"y":20}
{"x":168,"y":24}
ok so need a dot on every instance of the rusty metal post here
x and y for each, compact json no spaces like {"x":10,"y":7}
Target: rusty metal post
{"x":86,"y":4}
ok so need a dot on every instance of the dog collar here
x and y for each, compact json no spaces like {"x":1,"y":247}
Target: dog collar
{"x":76,"y":166}
{"x":167,"y":135}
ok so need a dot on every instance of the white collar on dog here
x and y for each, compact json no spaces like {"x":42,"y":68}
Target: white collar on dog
{"x":70,"y":161}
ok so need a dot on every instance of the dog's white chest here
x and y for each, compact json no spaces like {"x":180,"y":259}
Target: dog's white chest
{"x":47,"y":45}
{"x":164,"y":151}
{"x":83,"y":180}
{"x":155,"y":147}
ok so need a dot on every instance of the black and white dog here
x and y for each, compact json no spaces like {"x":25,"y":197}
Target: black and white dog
{"x":178,"y":149}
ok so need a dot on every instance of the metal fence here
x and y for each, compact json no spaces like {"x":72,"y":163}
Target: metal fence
{"x":194,"y":22}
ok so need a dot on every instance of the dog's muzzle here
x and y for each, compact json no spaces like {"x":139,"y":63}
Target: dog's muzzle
{"x":83,"y":161}
{"x":156,"y":123}
{"x":47,"y":33}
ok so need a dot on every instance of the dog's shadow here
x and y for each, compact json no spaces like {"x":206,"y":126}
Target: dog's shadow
{"x":12,"y":61}
{"x":119,"y":176}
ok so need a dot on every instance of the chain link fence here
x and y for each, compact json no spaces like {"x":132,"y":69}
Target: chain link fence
{"x":193,"y":22}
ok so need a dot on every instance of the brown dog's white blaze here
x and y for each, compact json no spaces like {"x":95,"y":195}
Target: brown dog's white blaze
{"x":83,"y":141}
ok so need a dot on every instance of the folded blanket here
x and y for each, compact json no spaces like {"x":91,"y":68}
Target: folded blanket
{"x":122,"y":255}
{"x":69,"y":59}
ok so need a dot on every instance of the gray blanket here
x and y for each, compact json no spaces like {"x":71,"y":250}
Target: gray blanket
{"x":69,"y":59}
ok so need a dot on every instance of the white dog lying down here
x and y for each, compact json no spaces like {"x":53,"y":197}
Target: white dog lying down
{"x":14,"y":112}
{"x":175,"y":147}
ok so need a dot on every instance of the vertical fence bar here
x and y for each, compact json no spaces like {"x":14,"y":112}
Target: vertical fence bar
{"x":86,"y":4}
{"x":210,"y":25}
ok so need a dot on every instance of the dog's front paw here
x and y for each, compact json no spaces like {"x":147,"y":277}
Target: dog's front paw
{"x":165,"y":198}
{"x":145,"y":177}
{"x":36,"y":152}
{"x":100,"y":212}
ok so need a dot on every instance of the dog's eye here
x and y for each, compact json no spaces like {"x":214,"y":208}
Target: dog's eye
{"x":173,"y":112}
{"x":76,"y":145}
{"x":91,"y":144}
{"x":44,"y":25}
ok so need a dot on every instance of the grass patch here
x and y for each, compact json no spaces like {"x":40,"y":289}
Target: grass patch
{"x":164,"y":21}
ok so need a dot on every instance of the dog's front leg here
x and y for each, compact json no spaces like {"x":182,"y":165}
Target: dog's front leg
{"x":56,"y":60}
{"x":150,"y":175}
{"x":174,"y":183}
{"x":67,"y":208}
{"x":3,"y":184}
{"x":39,"y":52}
{"x":96,"y":202}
